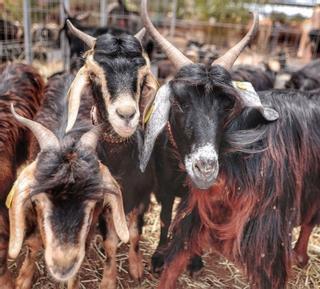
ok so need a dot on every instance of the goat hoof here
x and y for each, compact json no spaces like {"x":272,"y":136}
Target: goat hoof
{"x":136,"y":267}
{"x":300,"y":260}
{"x":157,"y":262}
{"x":195,"y":265}
{"x":6,"y":281}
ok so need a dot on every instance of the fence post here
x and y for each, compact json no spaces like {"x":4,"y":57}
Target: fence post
{"x":103,"y":13}
{"x":27,"y":31}
{"x":174,"y":18}
{"x":64,"y":45}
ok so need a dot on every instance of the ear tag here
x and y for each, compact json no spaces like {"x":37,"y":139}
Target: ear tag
{"x":149,"y":113}
{"x":251,"y":98}
{"x":10,"y":198}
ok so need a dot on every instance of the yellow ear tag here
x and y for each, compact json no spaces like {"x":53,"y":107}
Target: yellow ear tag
{"x":149,"y":113}
{"x":243,"y":85}
{"x":10,"y":197}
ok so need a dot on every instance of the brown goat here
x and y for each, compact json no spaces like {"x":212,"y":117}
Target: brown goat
{"x":22,"y":85}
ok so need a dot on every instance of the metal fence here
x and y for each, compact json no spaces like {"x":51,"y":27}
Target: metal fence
{"x":30,"y":29}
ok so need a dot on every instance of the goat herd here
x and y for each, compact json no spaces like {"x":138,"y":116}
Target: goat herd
{"x":245,"y":164}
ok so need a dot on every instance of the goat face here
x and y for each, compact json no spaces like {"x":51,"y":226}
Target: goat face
{"x":123,"y":85}
{"x":68,"y":188}
{"x":200,"y":106}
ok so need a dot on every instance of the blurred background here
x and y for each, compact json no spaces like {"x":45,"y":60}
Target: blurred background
{"x":34,"y":30}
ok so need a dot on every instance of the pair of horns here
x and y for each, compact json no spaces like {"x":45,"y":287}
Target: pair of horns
{"x":48,"y":140}
{"x":176,"y":56}
{"x":90,"y":40}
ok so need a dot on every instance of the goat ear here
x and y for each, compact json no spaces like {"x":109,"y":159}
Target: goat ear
{"x":250,"y":98}
{"x":114,"y":199}
{"x":74,"y":96}
{"x":147,"y":96}
{"x":16,"y":203}
{"x":158,"y":119}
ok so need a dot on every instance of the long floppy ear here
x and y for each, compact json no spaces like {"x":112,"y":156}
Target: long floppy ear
{"x":147,"y":96}
{"x":158,"y":119}
{"x":74,"y":96}
{"x":114,"y":199}
{"x":17,"y":202}
{"x":250,"y":98}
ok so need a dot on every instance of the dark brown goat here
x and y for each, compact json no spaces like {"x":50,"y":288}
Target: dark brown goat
{"x":60,"y":196}
{"x":23,"y":86}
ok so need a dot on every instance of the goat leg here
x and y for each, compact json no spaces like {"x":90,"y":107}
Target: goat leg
{"x":173,"y":270}
{"x":136,"y":266}
{"x":301,"y":247}
{"x":28,"y":268}
{"x":109,"y":279}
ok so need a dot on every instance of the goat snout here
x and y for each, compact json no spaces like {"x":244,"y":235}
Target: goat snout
{"x":126,"y":113}
{"x":204,"y":168}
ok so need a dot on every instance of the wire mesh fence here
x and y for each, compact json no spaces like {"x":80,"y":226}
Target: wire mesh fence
{"x":32,"y":29}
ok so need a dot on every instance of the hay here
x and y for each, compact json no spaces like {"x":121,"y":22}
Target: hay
{"x":217,"y":274}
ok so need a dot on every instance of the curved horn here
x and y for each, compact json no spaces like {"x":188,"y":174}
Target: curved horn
{"x":20,"y":192}
{"x":229,"y":58}
{"x":90,"y":138}
{"x":174,"y":54}
{"x":44,"y":136}
{"x":74,"y":96}
{"x":115,"y":201}
{"x":66,"y":10}
{"x":86,"y":38}
{"x":140,"y":34}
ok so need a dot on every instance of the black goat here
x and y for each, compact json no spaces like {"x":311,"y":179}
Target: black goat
{"x":123,"y":88}
{"x":260,"y":79}
{"x":55,"y":196}
{"x":252,"y":166}
{"x":306,"y":78}
{"x":22,"y":85}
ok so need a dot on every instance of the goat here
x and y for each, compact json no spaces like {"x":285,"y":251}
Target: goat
{"x":55,"y":196}
{"x":251,"y":163}
{"x":306,"y":78}
{"x":22,"y":85}
{"x":260,"y":79}
{"x":123,"y":88}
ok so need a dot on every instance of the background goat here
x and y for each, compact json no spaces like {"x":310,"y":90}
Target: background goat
{"x":22,"y":85}
{"x":252,"y":168}
{"x":55,"y":196}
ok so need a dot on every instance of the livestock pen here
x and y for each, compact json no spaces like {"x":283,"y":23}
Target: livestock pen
{"x":32,"y":32}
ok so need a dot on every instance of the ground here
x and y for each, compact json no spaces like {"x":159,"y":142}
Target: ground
{"x":218,"y":272}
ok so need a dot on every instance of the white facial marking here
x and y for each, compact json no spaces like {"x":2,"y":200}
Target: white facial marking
{"x":205,"y":152}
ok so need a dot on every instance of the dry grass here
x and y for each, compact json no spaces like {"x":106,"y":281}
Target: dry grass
{"x":218,"y":272}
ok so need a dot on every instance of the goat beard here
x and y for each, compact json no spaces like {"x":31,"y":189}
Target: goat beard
{"x":223,"y":214}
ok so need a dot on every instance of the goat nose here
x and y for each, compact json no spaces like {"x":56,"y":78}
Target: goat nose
{"x":204,"y":167}
{"x":126,"y":112}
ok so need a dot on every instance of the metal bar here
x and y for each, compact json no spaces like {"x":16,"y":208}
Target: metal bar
{"x":174,"y":18}
{"x":103,"y":13}
{"x":64,"y":45}
{"x":27,"y":31}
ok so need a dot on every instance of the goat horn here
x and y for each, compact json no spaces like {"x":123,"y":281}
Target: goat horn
{"x":20,"y":193}
{"x":86,"y":38}
{"x":140,"y":34}
{"x":90,"y":138}
{"x":66,"y":10}
{"x":74,"y":96}
{"x":229,"y":58}
{"x":174,"y":54}
{"x":45,"y":137}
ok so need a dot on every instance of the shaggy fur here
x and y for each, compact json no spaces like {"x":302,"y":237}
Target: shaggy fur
{"x":22,"y":85}
{"x":268,"y":180}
